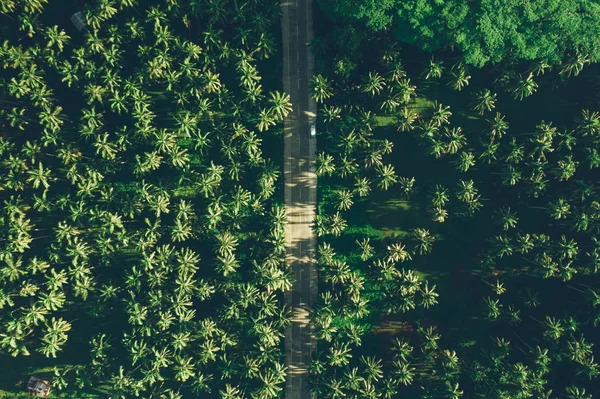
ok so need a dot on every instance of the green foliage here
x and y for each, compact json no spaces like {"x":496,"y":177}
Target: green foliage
{"x":142,"y":245}
{"x":485,"y":31}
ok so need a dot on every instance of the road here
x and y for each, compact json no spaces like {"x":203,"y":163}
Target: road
{"x":300,"y":192}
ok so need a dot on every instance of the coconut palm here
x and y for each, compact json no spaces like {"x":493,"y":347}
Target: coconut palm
{"x":590,"y":123}
{"x":574,"y":65}
{"x":39,"y":177}
{"x":56,"y":37}
{"x":465,"y":161}
{"x":344,"y":200}
{"x":265,"y":120}
{"x":406,"y":91}
{"x":441,"y":114}
{"x":507,"y":218}
{"x":406,"y":119}
{"x":485,"y":100}
{"x":434,"y":69}
{"x":373,"y":83}
{"x":320,"y":88}
{"x":325,"y":165}
{"x":337,"y":224}
{"x":387,"y":176}
{"x":525,"y":88}
{"x":281,"y":105}
{"x":423,"y":240}
{"x":455,"y":139}
{"x":459,"y":77}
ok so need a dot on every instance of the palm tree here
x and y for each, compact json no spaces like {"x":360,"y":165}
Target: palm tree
{"x":407,"y":184}
{"x":105,"y":148}
{"x":367,"y":250}
{"x":362,"y":186}
{"x":339,"y":354}
{"x":54,"y":37}
{"x":325,"y":165}
{"x":453,"y":391}
{"x":373,"y":367}
{"x":434,"y":69}
{"x":373,"y":83}
{"x":94,"y":92}
{"x":466,"y":191}
{"x":441,"y":114}
{"x":184,"y":368}
{"x":390,"y":101}
{"x":397,"y":72}
{"x":423,"y":239}
{"x":559,"y":209}
{"x":331,"y":113}
{"x":387,"y":176}
{"x":397,"y":253}
{"x":485,"y":100}
{"x":438,"y":214}
{"x":406,"y":119}
{"x":320,"y":88}
{"x":507,"y":218}
{"x":574,"y":65}
{"x":456,"y":139}
{"x":589,"y":123}
{"x":117,"y":103}
{"x":231,"y":392}
{"x":525,"y":87}
{"x":577,"y":393}
{"x":459,"y":77}
{"x":348,"y":166}
{"x":344,"y":200}
{"x":281,"y":105}
{"x":403,"y":371}
{"x":428,"y":296}
{"x":212,"y":84}
{"x":465,"y":161}
{"x":265,"y":120}
{"x":39,"y":176}
{"x":181,"y":231}
{"x":337,"y":224}
{"x":407,"y":90}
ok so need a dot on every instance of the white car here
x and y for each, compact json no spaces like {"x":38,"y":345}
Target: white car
{"x":313,"y":130}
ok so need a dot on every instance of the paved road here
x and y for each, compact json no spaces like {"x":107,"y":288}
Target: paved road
{"x":300,"y":192}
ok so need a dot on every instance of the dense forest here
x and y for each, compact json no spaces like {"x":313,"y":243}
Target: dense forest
{"x":142,"y":216}
{"x":484,"y":31}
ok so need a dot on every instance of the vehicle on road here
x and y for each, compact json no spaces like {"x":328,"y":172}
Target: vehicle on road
{"x":313,"y":130}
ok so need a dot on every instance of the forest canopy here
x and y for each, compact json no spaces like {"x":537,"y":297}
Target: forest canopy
{"x":485,"y":31}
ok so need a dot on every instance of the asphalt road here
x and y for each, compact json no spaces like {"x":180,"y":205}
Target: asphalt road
{"x":300,"y":192}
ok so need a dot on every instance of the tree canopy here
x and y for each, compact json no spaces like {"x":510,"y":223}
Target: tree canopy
{"x":485,"y":31}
